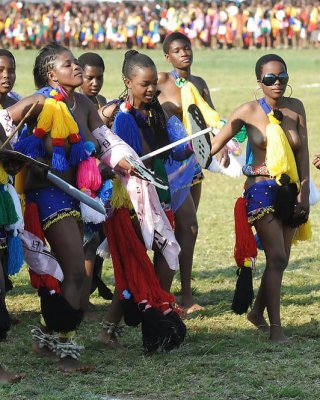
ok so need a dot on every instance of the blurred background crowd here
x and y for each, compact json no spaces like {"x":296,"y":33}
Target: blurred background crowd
{"x":114,"y":24}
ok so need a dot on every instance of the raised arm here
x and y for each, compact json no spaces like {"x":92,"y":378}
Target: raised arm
{"x":18,"y":110}
{"x":234,"y":124}
{"x":13,"y":115}
{"x":162,"y":79}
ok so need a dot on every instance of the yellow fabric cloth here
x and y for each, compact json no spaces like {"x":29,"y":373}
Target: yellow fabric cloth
{"x":280,"y":160}
{"x":190,"y":95}
{"x":279,"y":155}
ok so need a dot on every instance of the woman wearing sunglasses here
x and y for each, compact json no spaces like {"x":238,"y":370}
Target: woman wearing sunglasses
{"x":276,"y":195}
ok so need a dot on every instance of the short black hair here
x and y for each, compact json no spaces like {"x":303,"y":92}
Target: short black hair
{"x":171,"y":38}
{"x":7,"y":53}
{"x":91,"y":60}
{"x":265,"y":60}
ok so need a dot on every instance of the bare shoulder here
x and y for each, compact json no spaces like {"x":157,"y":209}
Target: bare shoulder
{"x":81,"y":98}
{"x":163,"y":77}
{"x":295,"y":105}
{"x":246,"y":110}
{"x":198,"y":79}
{"x":199,"y":82}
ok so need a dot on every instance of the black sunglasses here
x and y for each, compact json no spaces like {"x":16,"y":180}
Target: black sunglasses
{"x":271,"y":79}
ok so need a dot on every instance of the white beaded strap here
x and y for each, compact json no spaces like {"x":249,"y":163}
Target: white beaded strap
{"x":113,"y":329}
{"x":44,"y":339}
{"x":68,"y":349}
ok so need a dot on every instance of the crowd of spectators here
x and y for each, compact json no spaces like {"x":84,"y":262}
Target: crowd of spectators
{"x":216,"y":24}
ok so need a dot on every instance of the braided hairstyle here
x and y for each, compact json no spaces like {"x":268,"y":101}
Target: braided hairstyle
{"x":133,"y":60}
{"x":45,"y":62}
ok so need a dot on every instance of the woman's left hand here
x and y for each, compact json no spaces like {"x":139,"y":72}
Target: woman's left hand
{"x":302,"y":208}
{"x":223,"y":157}
{"x":316,"y":161}
{"x":124,"y":167}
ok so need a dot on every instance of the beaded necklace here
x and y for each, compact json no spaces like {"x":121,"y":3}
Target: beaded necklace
{"x":178,"y":80}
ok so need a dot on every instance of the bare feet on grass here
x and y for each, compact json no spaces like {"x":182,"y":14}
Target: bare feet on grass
{"x":43,"y":351}
{"x":110,"y":341}
{"x":8,"y":377}
{"x":258,"y":321}
{"x":189,"y":306}
{"x":193,"y":308}
{"x":71,"y":365}
{"x":277,"y":335}
{"x":91,"y":316}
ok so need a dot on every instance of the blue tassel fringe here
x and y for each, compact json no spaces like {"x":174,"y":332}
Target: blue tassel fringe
{"x":15,"y":255}
{"x":59,"y":160}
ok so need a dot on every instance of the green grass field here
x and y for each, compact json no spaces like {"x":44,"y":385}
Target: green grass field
{"x":223,"y":357}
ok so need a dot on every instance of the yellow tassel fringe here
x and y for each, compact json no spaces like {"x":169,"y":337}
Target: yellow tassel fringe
{"x":120,"y":197}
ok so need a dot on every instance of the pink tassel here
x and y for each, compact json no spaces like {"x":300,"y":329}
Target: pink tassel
{"x":89,"y":181}
{"x":88,"y":176}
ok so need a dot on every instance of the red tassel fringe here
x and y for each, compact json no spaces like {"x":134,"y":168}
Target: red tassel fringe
{"x":170,"y":216}
{"x":32,"y":224}
{"x":32,"y":221}
{"x":133,"y":268}
{"x":44,"y":280}
{"x":245,"y":246}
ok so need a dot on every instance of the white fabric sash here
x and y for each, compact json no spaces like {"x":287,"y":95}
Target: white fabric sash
{"x":155,"y":226}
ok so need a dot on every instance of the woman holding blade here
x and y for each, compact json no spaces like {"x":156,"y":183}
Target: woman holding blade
{"x":58,"y":127}
{"x":138,"y":119}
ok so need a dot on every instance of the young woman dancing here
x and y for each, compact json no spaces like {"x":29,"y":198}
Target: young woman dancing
{"x":138,"y":119}
{"x":277,"y":187}
{"x":58,"y":126}
{"x":178,"y":52}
